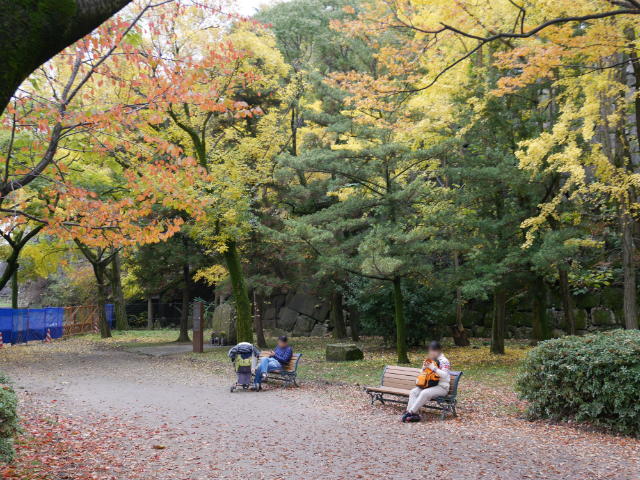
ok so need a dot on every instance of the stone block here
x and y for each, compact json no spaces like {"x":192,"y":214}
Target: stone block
{"x":522,"y":333}
{"x":554,"y":298}
{"x":304,"y":326}
{"x":470,"y":318}
{"x":310,"y":306}
{"x":287,"y":318}
{"x":224,"y":319}
{"x":319,"y":330}
{"x":270,"y":314}
{"x":278,"y":332}
{"x":612,"y":298}
{"x":557,"y":333}
{"x":580,"y":318}
{"x":343,"y":352}
{"x":288,"y":299}
{"x":525,"y":304}
{"x":450,"y":320}
{"x":602,"y":317}
{"x":521,"y":319}
{"x":479,"y":332}
{"x":588,"y":300}
{"x":271,"y":324}
{"x":468,"y":332}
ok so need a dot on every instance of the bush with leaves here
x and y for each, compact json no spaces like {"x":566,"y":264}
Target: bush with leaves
{"x":594,"y":378}
{"x":425,"y":308}
{"x":9,"y":420}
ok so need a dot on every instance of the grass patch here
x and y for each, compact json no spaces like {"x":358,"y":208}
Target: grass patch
{"x":475,"y":361}
{"x":139,"y":338}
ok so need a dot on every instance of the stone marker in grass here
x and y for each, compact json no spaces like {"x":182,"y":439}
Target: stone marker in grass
{"x":343,"y":352}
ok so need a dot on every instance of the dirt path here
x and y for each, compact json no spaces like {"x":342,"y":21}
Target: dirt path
{"x":127,"y":404}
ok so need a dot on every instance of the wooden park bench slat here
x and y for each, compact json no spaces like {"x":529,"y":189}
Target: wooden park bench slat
{"x":399,"y":381}
{"x":289,"y":372}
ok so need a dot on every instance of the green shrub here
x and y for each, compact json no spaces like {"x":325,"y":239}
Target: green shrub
{"x":425,"y":309}
{"x":9,"y":420}
{"x":594,"y":378}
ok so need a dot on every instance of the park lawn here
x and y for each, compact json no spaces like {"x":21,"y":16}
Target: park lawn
{"x":475,"y":361}
{"x":138,"y":338}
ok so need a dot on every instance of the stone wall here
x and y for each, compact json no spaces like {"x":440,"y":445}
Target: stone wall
{"x":594,"y":312}
{"x":297,"y":315}
{"x":304,"y":315}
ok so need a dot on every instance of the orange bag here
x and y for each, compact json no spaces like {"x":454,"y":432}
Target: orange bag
{"x":428,"y":378}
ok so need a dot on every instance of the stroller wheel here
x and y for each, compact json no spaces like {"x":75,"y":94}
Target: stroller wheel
{"x":233,"y":387}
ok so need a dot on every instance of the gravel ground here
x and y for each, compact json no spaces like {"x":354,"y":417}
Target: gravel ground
{"x":174,"y":418}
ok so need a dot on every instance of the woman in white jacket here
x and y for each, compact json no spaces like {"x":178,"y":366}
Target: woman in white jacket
{"x":420,"y":396}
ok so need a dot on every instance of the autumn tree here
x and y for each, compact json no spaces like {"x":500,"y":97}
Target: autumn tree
{"x":88,"y":107}
{"x":217,"y":125}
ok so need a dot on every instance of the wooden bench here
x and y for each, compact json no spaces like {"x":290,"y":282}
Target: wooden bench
{"x":399,"y":381}
{"x":288,"y":373}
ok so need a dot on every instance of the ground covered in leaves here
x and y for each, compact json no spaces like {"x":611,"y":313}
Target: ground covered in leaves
{"x":91,"y":409}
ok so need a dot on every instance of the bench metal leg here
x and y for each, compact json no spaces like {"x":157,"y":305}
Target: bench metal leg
{"x":376,"y":397}
{"x":453,"y":409}
{"x":446,"y":408}
{"x":444,"y":413}
{"x":290,"y":379}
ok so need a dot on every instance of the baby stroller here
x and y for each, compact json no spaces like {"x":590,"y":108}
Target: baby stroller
{"x":245,"y":359}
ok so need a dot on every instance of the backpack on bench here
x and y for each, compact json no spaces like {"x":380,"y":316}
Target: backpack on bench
{"x":428,"y":378}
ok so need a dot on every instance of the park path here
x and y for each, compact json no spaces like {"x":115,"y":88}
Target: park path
{"x":130,"y":403}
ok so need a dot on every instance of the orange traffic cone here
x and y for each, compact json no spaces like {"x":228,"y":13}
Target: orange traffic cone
{"x":48,"y":337}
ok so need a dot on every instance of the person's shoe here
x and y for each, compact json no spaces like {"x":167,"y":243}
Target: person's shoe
{"x":414,"y":417}
{"x":405,"y":416}
{"x":264,"y":377}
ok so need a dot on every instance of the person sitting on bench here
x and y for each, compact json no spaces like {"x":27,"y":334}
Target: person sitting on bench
{"x":420,"y":396}
{"x":275,"y":360}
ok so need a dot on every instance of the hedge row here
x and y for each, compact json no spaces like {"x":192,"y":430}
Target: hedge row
{"x":594,"y":378}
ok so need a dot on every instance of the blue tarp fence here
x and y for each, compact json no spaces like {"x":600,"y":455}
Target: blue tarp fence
{"x":109,"y":310}
{"x":28,"y":325}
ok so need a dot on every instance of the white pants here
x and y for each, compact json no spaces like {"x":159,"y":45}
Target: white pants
{"x":420,"y":396}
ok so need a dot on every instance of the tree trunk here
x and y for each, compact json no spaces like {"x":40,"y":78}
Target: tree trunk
{"x":459,"y":334}
{"x":149,"y":313}
{"x":402,"y":339}
{"x":353,"y":321}
{"x":184,"y":318}
{"x":540,"y":329}
{"x":567,"y":303}
{"x":498,"y":324}
{"x":103,"y":323}
{"x":628,"y":267}
{"x":339,"y":328}
{"x":243,"y":306}
{"x":19,"y":241}
{"x":257,"y":302}
{"x":119,"y":310}
{"x":14,"y":288}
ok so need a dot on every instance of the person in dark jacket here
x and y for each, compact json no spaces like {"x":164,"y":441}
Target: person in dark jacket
{"x":275,"y":360}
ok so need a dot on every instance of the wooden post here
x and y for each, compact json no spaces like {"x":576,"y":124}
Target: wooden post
{"x":149,"y":312}
{"x":198,"y":327}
